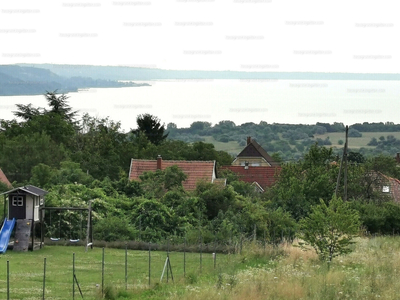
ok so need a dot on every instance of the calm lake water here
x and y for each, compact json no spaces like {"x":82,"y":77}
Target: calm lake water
{"x":274,"y":101}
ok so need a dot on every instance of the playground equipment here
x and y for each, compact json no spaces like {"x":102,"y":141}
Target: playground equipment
{"x":22,"y":204}
{"x":89,"y":231}
{"x":24,"y":210}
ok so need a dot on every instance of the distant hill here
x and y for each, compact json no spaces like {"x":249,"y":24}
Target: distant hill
{"x":292,"y":141}
{"x":26,"y":80}
{"x":136,"y":73}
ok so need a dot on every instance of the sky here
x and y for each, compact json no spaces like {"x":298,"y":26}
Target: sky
{"x":243,"y":35}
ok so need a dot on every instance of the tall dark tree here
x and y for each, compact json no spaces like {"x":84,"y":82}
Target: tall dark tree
{"x":59,"y":105}
{"x":150,"y":125}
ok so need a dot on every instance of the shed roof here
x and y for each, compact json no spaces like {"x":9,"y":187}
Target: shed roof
{"x":30,"y":189}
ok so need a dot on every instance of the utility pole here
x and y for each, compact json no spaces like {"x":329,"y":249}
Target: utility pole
{"x":344,"y":157}
{"x":345,"y":163}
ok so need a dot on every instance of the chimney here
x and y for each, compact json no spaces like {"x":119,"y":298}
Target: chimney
{"x":248,"y":140}
{"x":159,"y":160}
{"x":398,"y":157}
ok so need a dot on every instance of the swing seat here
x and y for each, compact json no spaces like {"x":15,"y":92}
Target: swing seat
{"x":55,"y":239}
{"x":74,"y":241}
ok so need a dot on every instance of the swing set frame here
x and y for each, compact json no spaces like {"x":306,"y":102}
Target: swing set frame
{"x":89,"y":228}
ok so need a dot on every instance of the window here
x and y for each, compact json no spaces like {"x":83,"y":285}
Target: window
{"x":17,"y":201}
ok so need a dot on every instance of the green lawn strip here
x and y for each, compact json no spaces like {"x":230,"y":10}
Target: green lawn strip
{"x":26,"y":271}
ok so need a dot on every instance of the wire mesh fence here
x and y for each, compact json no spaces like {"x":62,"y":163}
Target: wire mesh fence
{"x":61,"y":272}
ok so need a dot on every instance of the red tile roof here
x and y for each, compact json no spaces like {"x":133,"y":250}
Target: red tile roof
{"x":3,"y":178}
{"x":264,"y":176}
{"x":196,"y":170}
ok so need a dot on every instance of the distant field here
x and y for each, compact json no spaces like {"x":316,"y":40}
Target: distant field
{"x":230,"y":147}
{"x":356,"y":142}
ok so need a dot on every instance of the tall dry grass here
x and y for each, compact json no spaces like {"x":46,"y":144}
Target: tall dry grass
{"x":287,"y":272}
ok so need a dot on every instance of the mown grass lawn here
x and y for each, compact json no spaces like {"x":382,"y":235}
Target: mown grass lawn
{"x":26,"y":271}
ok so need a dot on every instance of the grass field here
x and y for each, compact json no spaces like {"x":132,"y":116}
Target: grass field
{"x":230,"y":147}
{"x":26,"y":271}
{"x":283,"y":272}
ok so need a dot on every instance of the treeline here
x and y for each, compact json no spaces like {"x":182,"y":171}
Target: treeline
{"x":288,"y":141}
{"x":53,"y":135}
{"x":89,"y":159}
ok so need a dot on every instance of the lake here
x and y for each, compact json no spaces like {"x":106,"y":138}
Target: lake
{"x":274,"y":101}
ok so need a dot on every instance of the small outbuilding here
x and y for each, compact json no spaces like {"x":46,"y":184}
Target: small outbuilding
{"x":24,"y":203}
{"x":22,"y":209}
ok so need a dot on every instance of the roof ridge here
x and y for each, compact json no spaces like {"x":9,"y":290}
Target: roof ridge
{"x":173,"y":160}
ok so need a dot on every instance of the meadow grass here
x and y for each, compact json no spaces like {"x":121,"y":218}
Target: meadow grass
{"x":282,"y":272}
{"x":26,"y":271}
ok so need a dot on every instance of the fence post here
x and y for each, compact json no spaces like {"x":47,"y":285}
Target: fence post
{"x":44,"y":278}
{"x":73,"y":275}
{"x":126,"y":266}
{"x":168,"y":260}
{"x":8,"y":279}
{"x":201,"y":254}
{"x":184,"y":257}
{"x":102,"y":274}
{"x":215,"y":249}
{"x":149,"y":263}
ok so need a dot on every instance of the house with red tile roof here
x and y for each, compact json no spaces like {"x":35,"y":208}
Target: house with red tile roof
{"x":254,"y":165}
{"x":3,"y":179}
{"x":390,"y":186}
{"x":195,"y":170}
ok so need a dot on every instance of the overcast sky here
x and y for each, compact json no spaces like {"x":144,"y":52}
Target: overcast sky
{"x":245,"y":35}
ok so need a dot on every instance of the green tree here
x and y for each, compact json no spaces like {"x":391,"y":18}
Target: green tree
{"x":330,"y":229}
{"x":59,"y":106}
{"x":151,"y":127}
{"x":301,"y":184}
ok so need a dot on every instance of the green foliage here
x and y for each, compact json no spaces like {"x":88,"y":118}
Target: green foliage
{"x":354,"y":132}
{"x":302,"y":184}
{"x":330,"y":229}
{"x":379,"y":218}
{"x":215,"y":198}
{"x":151,"y":127}
{"x":114,"y":228}
{"x":156,"y":184}
{"x":18,"y":155}
{"x":42,"y":175}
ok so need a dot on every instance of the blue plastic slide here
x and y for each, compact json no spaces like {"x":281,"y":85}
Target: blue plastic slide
{"x":5,"y":234}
